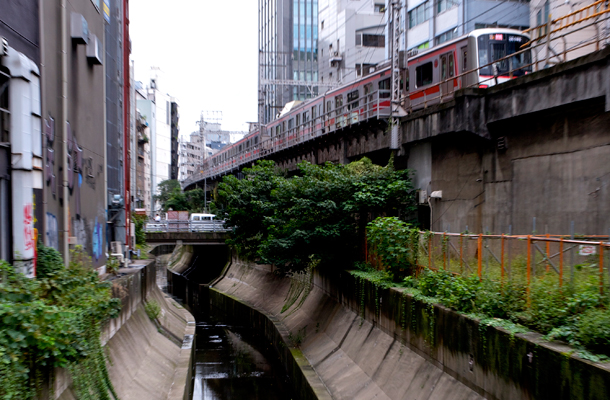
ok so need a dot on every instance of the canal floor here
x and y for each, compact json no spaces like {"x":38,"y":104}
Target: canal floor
{"x":232,"y":364}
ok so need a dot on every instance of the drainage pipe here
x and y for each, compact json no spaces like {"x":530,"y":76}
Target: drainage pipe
{"x":64,"y":129}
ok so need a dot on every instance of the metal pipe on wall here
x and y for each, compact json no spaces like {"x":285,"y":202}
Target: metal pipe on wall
{"x":65,"y":245}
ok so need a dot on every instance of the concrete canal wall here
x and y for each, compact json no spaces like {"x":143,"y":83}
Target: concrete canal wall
{"x":149,"y":359}
{"x":399,"y":347}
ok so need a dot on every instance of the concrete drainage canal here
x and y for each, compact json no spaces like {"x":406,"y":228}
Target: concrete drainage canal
{"x":232,"y":360}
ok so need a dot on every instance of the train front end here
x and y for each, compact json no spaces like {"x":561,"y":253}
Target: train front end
{"x":500,"y":55}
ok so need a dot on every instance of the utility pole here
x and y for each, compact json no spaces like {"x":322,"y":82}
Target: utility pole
{"x":397,"y":111}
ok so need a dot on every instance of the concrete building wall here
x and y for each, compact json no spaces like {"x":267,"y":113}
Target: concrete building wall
{"x":459,"y":18}
{"x":20,"y":26}
{"x":576,"y":35}
{"x":555,"y":170}
{"x":339,"y":22}
{"x":84,"y":130}
{"x":148,"y":111}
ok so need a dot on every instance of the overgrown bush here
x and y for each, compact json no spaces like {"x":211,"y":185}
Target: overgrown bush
{"x":54,"y":321}
{"x":593,"y":330}
{"x":321,"y":212}
{"x":153,"y":310}
{"x":139,"y":222}
{"x":49,"y":261}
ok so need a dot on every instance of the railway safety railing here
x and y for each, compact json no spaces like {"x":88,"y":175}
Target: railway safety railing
{"x":371,"y":107}
{"x":185,"y":226}
{"x":505,"y":257}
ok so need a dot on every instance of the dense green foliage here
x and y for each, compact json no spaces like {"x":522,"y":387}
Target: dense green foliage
{"x":318,"y":214}
{"x":54,"y":321}
{"x":165,"y":190}
{"x":575,"y":312}
{"x":171,"y":196}
{"x":140,"y":222}
{"x":393,"y":241}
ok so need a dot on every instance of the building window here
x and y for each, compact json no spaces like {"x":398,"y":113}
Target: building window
{"x":419,"y":15}
{"x":444,"y":5}
{"x":446,"y":36}
{"x":380,"y":8}
{"x":423,"y":74}
{"x":370,"y":40}
{"x":364,"y":69}
{"x":321,"y":25}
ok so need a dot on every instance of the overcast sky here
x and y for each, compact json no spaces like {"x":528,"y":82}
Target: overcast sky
{"x":207,"y":51}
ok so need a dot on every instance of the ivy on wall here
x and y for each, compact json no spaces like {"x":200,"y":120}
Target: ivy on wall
{"x":54,"y":321}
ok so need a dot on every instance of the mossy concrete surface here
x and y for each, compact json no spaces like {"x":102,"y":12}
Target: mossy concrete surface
{"x":494,"y":362}
{"x":353,"y":357}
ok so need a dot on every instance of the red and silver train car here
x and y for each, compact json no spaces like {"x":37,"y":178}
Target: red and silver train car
{"x":479,"y":59}
{"x":441,"y":70}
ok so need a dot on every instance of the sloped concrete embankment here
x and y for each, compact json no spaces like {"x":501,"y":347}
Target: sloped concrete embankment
{"x":398,"y":347}
{"x":149,"y":360}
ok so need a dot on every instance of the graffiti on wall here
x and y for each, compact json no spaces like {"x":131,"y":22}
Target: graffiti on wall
{"x":75,"y":168}
{"x":79,"y":230}
{"x":49,"y":167}
{"x":28,"y":227}
{"x":52,"y":232}
{"x":98,"y":242}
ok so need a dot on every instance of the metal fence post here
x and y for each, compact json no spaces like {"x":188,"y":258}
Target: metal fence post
{"x":502,"y":258}
{"x":601,"y":268}
{"x":560,"y":262}
{"x":529,"y":256}
{"x":443,"y":244}
{"x":480,"y":257}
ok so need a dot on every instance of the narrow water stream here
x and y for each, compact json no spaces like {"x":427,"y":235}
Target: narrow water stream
{"x":232,"y":364}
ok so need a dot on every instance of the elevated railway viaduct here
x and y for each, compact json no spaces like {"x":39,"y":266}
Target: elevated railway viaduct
{"x":536,"y":148}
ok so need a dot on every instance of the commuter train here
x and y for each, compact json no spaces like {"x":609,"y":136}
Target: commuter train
{"x":481,"y":59}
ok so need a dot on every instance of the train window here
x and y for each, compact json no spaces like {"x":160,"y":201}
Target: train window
{"x":240,"y":147}
{"x":305,"y":116}
{"x":283,"y":126}
{"x":450,"y":65}
{"x":256,"y":140}
{"x":338,"y":101}
{"x":291,"y":123}
{"x":352,"y":96}
{"x":368,"y":88}
{"x":443,"y":68}
{"x":498,"y":51}
{"x":277,"y":130}
{"x":423,"y":74}
{"x":247,"y":144}
{"x":385,"y":88}
{"x":352,"y":99}
{"x":464,"y":59}
{"x":329,"y":106}
{"x":298,"y":119}
{"x":313,"y":112}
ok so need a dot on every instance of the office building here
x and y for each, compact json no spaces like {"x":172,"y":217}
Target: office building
{"x":351,"y":38}
{"x":288,"y":54}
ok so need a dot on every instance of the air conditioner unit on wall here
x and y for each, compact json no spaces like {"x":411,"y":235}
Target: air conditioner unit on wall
{"x":94,"y":52}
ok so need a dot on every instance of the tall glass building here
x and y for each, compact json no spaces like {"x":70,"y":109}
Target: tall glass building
{"x":288,"y":45}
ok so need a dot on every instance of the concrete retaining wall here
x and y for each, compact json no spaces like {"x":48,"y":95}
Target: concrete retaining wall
{"x":403,"y":348}
{"x":149,"y":360}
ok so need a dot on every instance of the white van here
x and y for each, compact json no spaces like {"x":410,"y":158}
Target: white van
{"x":202,"y":217}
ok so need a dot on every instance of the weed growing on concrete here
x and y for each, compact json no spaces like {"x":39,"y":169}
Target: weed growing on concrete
{"x":298,"y":338}
{"x":153,"y":310}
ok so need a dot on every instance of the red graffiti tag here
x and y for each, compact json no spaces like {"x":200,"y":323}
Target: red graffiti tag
{"x":28,"y":227}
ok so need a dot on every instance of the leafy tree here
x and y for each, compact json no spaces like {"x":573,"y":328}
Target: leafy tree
{"x":167,"y":189}
{"x":192,"y":200}
{"x":318,"y":214}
